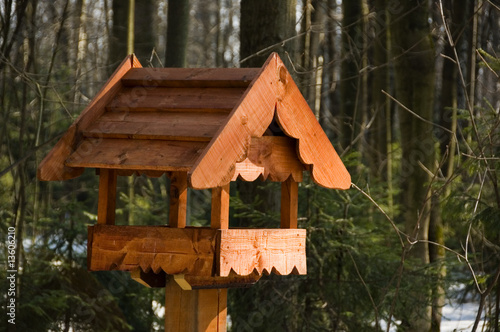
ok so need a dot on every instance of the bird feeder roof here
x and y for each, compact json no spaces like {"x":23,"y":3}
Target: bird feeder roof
{"x":216,"y":124}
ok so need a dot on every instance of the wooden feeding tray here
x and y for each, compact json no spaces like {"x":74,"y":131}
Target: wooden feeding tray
{"x":203,"y":128}
{"x":236,"y":256}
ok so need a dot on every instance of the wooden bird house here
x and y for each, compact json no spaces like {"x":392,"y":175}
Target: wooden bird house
{"x":203,"y":128}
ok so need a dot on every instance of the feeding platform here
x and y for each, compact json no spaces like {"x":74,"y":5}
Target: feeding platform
{"x":203,"y":128}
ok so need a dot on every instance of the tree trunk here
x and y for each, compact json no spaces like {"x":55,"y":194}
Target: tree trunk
{"x":265,"y":27}
{"x":177,"y":33}
{"x":379,"y":78}
{"x":329,"y":93}
{"x":144,"y":30}
{"x":118,"y":38}
{"x":352,"y":47}
{"x":413,"y":49}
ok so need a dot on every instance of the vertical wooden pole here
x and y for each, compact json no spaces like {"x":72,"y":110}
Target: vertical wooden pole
{"x":202,"y":310}
{"x":107,"y":196}
{"x":178,"y":200}
{"x":289,"y":203}
{"x":220,"y":207}
{"x":219,"y":220}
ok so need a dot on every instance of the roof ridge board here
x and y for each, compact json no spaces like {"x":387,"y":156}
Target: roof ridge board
{"x":191,"y":77}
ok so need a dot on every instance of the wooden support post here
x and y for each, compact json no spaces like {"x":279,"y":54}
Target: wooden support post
{"x":107,"y":196}
{"x":289,"y":203}
{"x":220,"y":207}
{"x":178,"y":200}
{"x":194,"y":310}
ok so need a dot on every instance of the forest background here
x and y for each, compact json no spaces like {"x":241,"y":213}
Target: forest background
{"x":407,"y":91}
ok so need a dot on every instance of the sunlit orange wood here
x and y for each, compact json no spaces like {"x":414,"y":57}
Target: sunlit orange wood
{"x":298,"y":121}
{"x":281,"y":251}
{"x":220,"y":207}
{"x":250,"y":118}
{"x":201,"y":252}
{"x":271,"y":158}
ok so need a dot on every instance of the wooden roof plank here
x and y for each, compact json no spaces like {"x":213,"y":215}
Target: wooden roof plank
{"x":176,"y":99}
{"x":153,"y":155}
{"x":52,"y":167}
{"x":250,"y":118}
{"x":191,"y":77}
{"x":314,"y":148}
{"x":191,"y":126}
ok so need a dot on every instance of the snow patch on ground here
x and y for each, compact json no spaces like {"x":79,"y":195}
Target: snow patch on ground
{"x":459,"y":317}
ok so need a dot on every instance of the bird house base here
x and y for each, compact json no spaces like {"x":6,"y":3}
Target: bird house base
{"x":198,"y":257}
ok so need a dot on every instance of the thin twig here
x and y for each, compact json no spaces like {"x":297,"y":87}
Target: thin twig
{"x":486,"y":63}
{"x":264,"y":50}
{"x":26,"y":156}
{"x":367,"y":289}
{"x":479,"y":158}
{"x":398,"y":231}
{"x":418,"y":116}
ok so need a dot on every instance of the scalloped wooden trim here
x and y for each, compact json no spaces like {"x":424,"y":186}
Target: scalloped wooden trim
{"x":202,"y":252}
{"x":250,"y":118}
{"x":152,"y":248}
{"x":314,"y":148}
{"x":264,"y":251}
{"x":271,"y":158}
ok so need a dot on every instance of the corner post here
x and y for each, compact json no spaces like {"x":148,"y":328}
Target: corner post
{"x":289,"y":203}
{"x":220,"y":207}
{"x":107,"y":196}
{"x":178,"y":200}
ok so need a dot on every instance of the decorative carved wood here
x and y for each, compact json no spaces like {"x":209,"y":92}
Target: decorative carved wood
{"x":197,"y":251}
{"x":281,"y":251}
{"x":271,"y":158}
